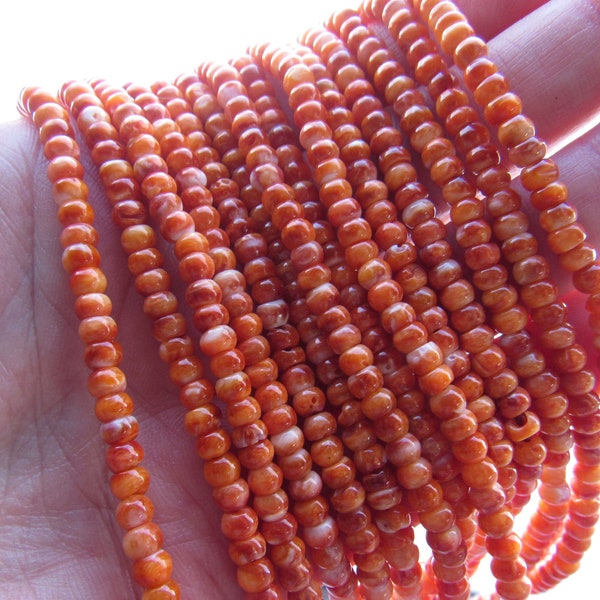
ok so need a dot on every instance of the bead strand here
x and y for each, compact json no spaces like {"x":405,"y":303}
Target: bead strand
{"x":316,"y":350}
{"x":293,"y":570}
{"x":295,"y":461}
{"x":143,"y":539}
{"x":455,"y":533}
{"x":417,"y":48}
{"x":516,"y":133}
{"x":482,"y":69}
{"x":350,"y":497}
{"x":207,"y":290}
{"x":426,"y":499}
{"x":359,"y":435}
{"x":560,"y":439}
{"x":338,"y":71}
{"x":294,"y":231}
{"x":363,"y":42}
{"x":550,"y":316}
{"x":503,"y":206}
{"x":138,"y":239}
{"x":559,"y":338}
{"x":376,"y":497}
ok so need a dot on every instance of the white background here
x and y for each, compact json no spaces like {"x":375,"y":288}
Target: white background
{"x":47,"y":43}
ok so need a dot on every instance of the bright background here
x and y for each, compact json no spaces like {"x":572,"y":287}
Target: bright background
{"x":47,"y":43}
{"x":44,"y":43}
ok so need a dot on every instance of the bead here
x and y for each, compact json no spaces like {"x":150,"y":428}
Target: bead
{"x":239,"y":525}
{"x":256,"y":576}
{"x":141,"y":541}
{"x":154,"y":570}
{"x":129,"y":482}
{"x":515,"y":131}
{"x":222,"y":470}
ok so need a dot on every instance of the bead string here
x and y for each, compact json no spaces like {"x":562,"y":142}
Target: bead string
{"x":325,"y":449}
{"x":374,"y":377}
{"x":467,"y":443}
{"x":357,"y":428}
{"x":495,"y":357}
{"x":296,"y":233}
{"x":502,"y":109}
{"x":424,"y":493}
{"x":143,"y":539}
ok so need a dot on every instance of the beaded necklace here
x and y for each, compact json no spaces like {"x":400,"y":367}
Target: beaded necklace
{"x":359,"y":374}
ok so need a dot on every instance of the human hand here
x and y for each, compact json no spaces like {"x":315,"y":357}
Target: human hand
{"x":60,"y":540}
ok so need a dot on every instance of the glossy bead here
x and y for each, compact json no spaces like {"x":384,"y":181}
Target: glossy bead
{"x":154,"y":570}
{"x":142,"y":541}
{"x":129,"y":482}
{"x":246,"y":551}
{"x":167,"y":591}
{"x":256,"y":576}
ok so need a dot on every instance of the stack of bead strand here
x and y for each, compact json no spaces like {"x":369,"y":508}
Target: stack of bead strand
{"x":373,"y":379}
{"x":488,"y":363}
{"x":414,"y":471}
{"x":364,"y":538}
{"x":381,"y":492}
{"x":557,"y":406}
{"x":107,"y":383}
{"x":325,"y":450}
{"x":477,"y":476}
{"x":210,"y":281}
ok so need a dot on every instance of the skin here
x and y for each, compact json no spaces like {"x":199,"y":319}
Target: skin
{"x":59,"y":537}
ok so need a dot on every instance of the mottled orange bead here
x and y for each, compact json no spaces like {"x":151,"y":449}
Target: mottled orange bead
{"x":453,"y":34}
{"x":154,"y":570}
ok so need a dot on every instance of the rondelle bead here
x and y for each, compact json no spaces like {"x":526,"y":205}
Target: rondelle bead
{"x":129,"y":482}
{"x":142,"y":541}
{"x":154,"y":570}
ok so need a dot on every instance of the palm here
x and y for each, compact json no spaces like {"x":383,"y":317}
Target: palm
{"x":56,"y":523}
{"x":57,"y":511}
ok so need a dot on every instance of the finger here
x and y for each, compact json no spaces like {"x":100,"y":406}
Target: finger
{"x":491,"y":18}
{"x":550,"y":58}
{"x":578,"y":164}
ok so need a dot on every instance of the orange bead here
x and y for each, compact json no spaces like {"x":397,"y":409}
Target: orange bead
{"x":130,"y":482}
{"x":453,"y":35}
{"x":469,"y":50}
{"x":142,"y":541}
{"x":154,"y":570}
{"x":134,"y":510}
{"x":167,"y":591}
